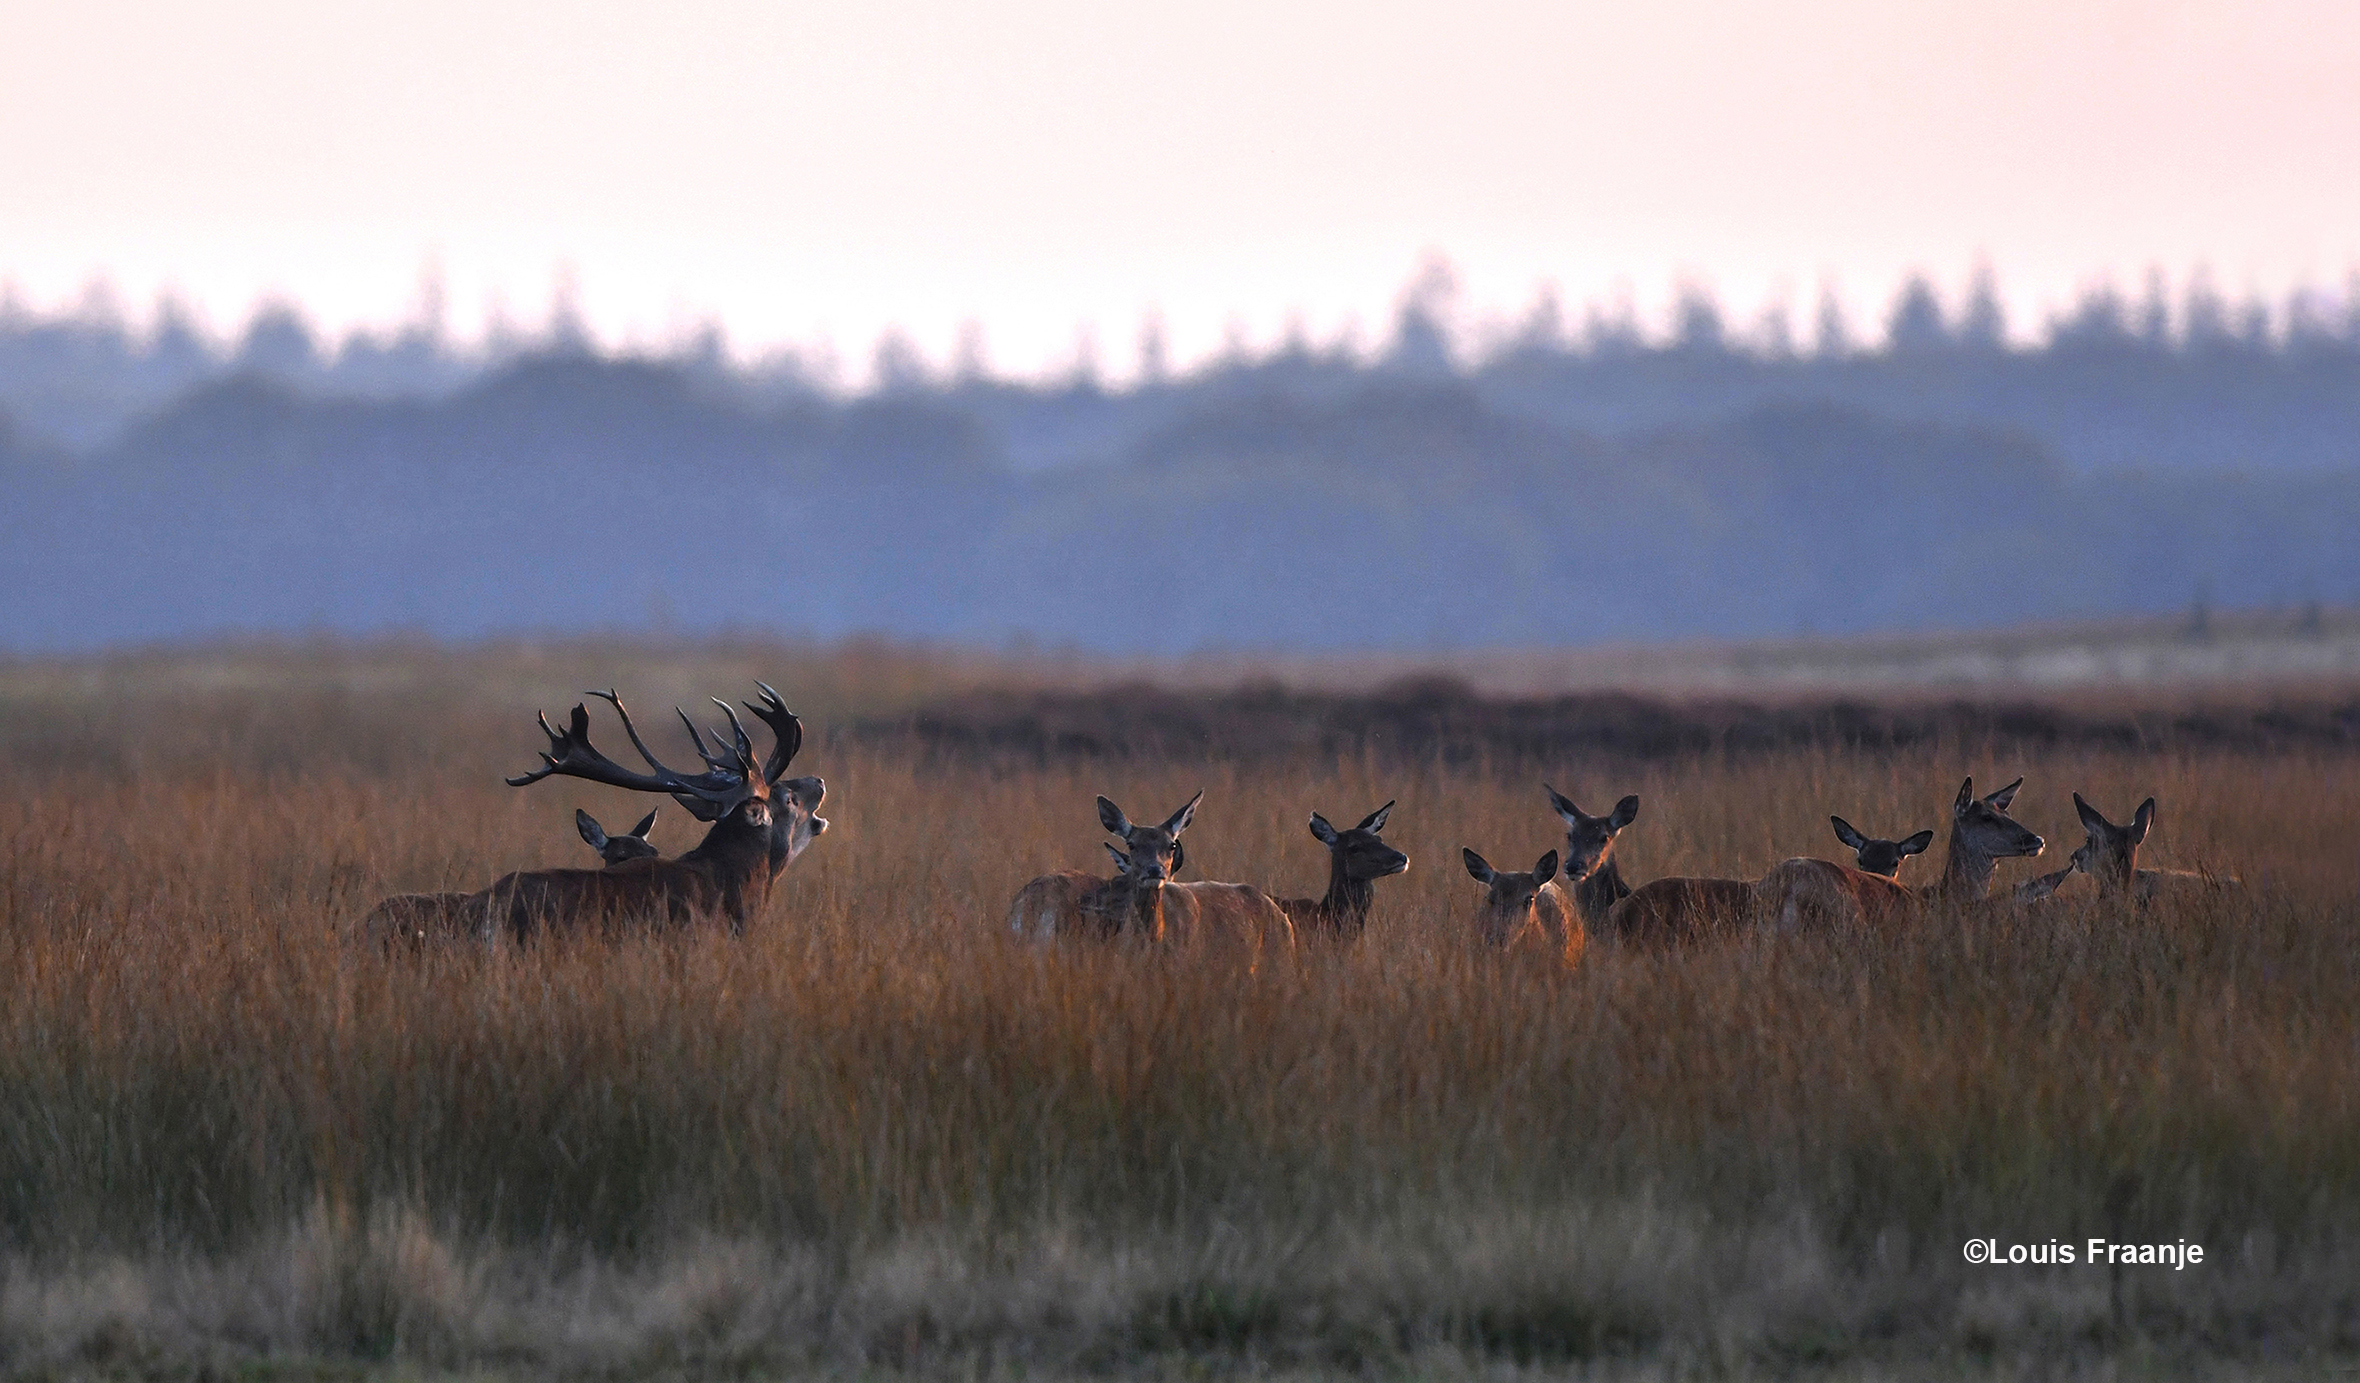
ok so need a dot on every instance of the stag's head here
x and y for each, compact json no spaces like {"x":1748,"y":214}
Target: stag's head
{"x":1358,"y":851}
{"x":1154,"y":853}
{"x":741,"y":796}
{"x":2110,"y":855}
{"x":1982,"y":826}
{"x":1510,"y":906}
{"x":617,"y":849}
{"x":1879,"y":857}
{"x":1589,"y":840}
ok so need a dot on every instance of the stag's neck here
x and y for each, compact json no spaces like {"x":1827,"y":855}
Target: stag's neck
{"x":1596,"y":895}
{"x":1966,"y":873}
{"x":1348,"y":900}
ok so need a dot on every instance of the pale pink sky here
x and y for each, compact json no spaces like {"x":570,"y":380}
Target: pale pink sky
{"x":826,"y":170}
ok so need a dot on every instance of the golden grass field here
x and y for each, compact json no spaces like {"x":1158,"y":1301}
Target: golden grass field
{"x":875,"y":1134}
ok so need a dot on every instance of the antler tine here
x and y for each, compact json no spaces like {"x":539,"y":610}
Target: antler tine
{"x":786,"y":731}
{"x":637,"y":743}
{"x":580,"y":728}
{"x":696,"y":737}
{"x":745,"y":742}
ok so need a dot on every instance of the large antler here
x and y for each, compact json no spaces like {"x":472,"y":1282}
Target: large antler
{"x":709,"y":795}
{"x":786,"y":731}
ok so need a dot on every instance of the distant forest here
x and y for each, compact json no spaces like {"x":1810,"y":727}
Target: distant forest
{"x":1566,"y":484}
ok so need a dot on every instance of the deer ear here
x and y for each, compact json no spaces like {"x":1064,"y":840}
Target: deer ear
{"x":1966,"y":797}
{"x":1625,"y":812}
{"x":1122,"y":862}
{"x":1545,"y":869}
{"x":646,"y":824}
{"x":593,"y":834}
{"x":1916,"y":845}
{"x":1999,"y":800}
{"x":2144,"y":819}
{"x":1571,"y":814}
{"x":1321,"y":831}
{"x":1179,"y":820}
{"x":2091,"y":821}
{"x":1111,"y":817}
{"x":1850,"y":838}
{"x":1375,"y":821}
{"x":1477,"y":866}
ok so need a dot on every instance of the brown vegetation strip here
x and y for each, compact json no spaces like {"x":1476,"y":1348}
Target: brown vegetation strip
{"x":1440,"y":718}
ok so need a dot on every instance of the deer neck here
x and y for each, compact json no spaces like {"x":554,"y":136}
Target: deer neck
{"x":1966,"y":871}
{"x":1133,"y":907}
{"x":1348,"y":899}
{"x":1596,"y":895}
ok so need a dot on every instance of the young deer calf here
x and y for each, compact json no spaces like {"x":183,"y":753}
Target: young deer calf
{"x":1880,"y":857}
{"x":1356,"y":860}
{"x":1522,"y":906}
{"x":2110,"y":856}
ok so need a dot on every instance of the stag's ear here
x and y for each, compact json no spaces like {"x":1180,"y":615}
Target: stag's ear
{"x":2091,"y":821}
{"x":2144,"y":819}
{"x":646,"y":824}
{"x":1178,"y":821}
{"x":1966,"y":797}
{"x":1850,"y":838}
{"x":1321,"y":831}
{"x":1375,"y":821}
{"x":1122,"y":862}
{"x":1477,"y":866}
{"x":1571,"y":814}
{"x":1999,"y":800}
{"x":1546,"y":869}
{"x":1625,"y":812}
{"x":1916,"y":845}
{"x":593,"y":834}
{"x":1111,"y":817}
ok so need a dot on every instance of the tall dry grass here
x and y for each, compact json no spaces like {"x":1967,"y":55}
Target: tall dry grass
{"x":877,"y":1130}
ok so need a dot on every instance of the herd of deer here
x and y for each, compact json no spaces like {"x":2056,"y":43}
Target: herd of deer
{"x":759,"y":820}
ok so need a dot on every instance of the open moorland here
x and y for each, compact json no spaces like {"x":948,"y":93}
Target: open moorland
{"x":877,"y":1134}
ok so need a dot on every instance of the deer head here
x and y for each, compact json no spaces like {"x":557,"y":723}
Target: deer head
{"x":1983,"y":827}
{"x":1155,"y":854}
{"x":1510,"y":905}
{"x":1589,"y":840}
{"x":2110,"y":855}
{"x":616,"y":849}
{"x":1879,"y":857}
{"x":1357,"y":853}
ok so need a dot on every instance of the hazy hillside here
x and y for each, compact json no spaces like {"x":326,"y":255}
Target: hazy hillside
{"x":1379,"y":509}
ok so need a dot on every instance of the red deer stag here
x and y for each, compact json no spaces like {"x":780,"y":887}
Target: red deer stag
{"x":1523,"y":909}
{"x":421,"y":919}
{"x":2110,"y":856}
{"x":1800,"y":891}
{"x":1356,"y":860}
{"x":1142,"y":900}
{"x":727,"y":875}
